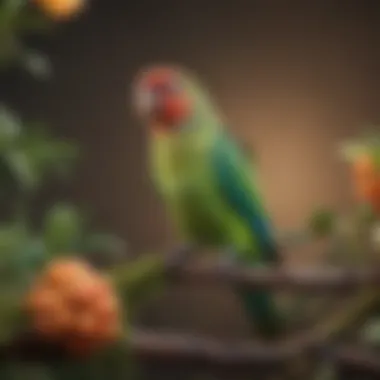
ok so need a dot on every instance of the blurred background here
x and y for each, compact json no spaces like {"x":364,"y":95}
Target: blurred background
{"x":293,"y":78}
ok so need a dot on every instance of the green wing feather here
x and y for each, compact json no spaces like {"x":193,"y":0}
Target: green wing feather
{"x":238,"y":190}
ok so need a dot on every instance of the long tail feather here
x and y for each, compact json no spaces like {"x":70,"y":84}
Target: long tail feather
{"x":262,"y":312}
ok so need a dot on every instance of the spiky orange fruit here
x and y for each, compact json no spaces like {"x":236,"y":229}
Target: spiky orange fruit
{"x":74,"y":305}
{"x":61,"y":10}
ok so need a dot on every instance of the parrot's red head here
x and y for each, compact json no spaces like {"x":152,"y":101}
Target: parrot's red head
{"x":161,"y":99}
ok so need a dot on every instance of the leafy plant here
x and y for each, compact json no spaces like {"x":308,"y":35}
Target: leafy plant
{"x":18,"y":18}
{"x":29,"y":157}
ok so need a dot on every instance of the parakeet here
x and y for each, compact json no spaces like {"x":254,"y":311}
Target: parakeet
{"x":205,"y":178}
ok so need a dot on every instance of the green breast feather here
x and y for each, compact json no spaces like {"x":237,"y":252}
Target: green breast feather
{"x":192,"y":199}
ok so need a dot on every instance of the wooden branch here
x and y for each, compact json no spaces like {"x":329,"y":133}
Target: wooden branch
{"x":210,"y":353}
{"x":200,"y":352}
{"x":360,"y":359}
{"x":175,"y":266}
{"x":307,"y":280}
{"x":204,"y":352}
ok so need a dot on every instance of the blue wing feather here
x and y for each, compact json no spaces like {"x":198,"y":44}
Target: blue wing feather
{"x":236,"y":188}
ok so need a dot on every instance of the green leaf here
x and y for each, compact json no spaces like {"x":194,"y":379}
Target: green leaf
{"x":370,"y":333}
{"x":37,"y":64}
{"x":322,"y":222}
{"x":33,"y":22}
{"x":104,"y":250}
{"x":14,"y":5}
{"x":32,"y":257}
{"x":63,"y":229}
{"x":62,"y":157}
{"x":365,"y":215}
{"x":9,"y":186}
{"x":11,"y":316}
{"x":50,"y":155}
{"x":23,"y":170}
{"x":15,"y":165}
{"x":139,"y":280}
{"x":12,"y":237}
{"x":10,"y":128}
{"x":10,"y":9}
{"x":105,"y":244}
{"x":35,"y":157}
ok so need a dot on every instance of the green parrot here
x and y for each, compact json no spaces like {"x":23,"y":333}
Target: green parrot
{"x":206,"y":180}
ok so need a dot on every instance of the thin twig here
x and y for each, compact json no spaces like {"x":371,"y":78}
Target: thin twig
{"x":307,"y":280}
{"x":347,"y":315}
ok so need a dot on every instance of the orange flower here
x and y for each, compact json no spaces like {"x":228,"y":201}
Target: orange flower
{"x":74,"y":305}
{"x":366,"y":178}
{"x":61,"y":10}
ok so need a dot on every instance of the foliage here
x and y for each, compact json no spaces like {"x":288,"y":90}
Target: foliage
{"x":18,"y":19}
{"x":322,"y":222}
{"x":29,"y":157}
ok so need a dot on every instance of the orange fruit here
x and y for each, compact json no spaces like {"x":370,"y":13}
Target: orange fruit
{"x":363,"y":189}
{"x":363,"y":166}
{"x":85,"y":324}
{"x":61,"y":10}
{"x":45,"y":325}
{"x":79,"y":293}
{"x":366,"y":179}
{"x":73,"y":303}
{"x":63,"y":272}
{"x":42,"y":300}
{"x":363,"y":171}
{"x":48,"y":312}
{"x":54,"y":325}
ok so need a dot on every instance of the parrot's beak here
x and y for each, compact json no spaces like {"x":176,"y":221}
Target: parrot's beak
{"x":172,"y":110}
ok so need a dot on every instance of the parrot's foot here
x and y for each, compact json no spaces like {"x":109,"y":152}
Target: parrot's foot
{"x":178,"y":257}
